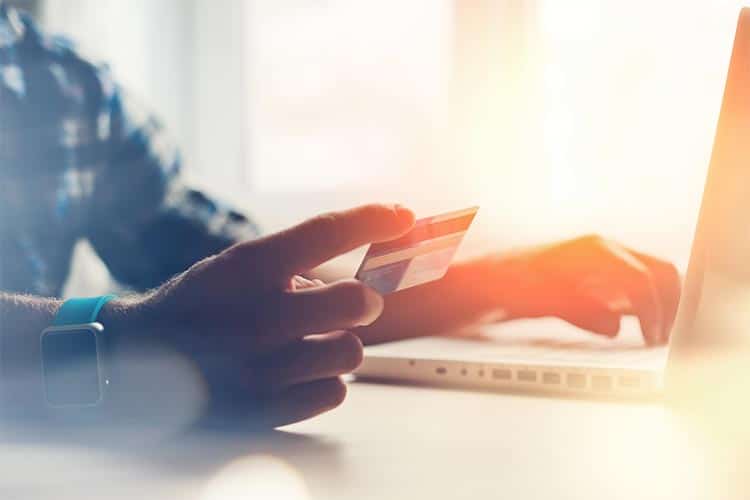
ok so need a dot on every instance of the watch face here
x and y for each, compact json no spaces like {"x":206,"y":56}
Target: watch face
{"x":70,"y":362}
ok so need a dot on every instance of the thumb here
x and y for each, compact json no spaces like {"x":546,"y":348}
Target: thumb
{"x":324,"y":237}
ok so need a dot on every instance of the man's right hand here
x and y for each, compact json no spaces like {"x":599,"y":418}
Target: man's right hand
{"x":266,"y":341}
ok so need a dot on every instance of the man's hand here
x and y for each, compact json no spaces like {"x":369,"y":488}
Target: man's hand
{"x":266,"y":340}
{"x":589,"y":282}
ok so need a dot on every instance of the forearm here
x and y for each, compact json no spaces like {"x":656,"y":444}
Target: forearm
{"x":132,"y":357}
{"x":458,"y":300}
{"x":22,"y":318}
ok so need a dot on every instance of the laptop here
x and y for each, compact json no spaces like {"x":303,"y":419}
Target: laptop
{"x":551,"y":356}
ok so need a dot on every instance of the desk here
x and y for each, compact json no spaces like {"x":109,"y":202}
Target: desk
{"x":400,"y":442}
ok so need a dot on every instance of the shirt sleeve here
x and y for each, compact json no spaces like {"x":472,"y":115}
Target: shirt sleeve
{"x":146,"y":224}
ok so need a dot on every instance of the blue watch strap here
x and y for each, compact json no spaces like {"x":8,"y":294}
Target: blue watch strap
{"x":80,"y":311}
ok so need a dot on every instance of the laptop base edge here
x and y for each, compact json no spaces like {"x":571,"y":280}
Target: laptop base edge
{"x":511,"y":377}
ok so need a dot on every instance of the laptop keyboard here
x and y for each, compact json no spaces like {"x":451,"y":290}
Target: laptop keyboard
{"x":548,"y":342}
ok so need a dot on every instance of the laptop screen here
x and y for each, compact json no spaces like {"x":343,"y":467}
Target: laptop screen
{"x":715,"y":308}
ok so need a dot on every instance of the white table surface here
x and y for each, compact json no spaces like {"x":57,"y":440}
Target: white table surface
{"x":402,"y":442}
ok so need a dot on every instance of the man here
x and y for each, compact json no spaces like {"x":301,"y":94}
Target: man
{"x":78,"y":160}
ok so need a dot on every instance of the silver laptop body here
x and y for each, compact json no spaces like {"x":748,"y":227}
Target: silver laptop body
{"x":553,"y":357}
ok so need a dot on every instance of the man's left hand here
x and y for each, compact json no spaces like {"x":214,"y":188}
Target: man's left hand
{"x":589,"y":282}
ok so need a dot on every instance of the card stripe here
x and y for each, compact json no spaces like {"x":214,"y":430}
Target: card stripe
{"x":454,"y":215}
{"x":424,"y":230}
{"x":425,"y":247}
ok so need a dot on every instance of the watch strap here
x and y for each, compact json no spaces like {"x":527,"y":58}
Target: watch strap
{"x":80,"y":310}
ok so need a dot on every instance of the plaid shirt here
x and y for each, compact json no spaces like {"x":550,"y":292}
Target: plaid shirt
{"x":79,"y":160}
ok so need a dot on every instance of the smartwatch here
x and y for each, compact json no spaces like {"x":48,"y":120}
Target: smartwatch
{"x":73,"y":352}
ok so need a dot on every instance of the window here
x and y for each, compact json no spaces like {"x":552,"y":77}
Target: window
{"x":557,"y":118}
{"x":345,"y":93}
{"x":630,"y":97}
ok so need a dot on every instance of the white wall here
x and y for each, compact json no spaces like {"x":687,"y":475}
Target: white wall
{"x":181,"y":57}
{"x":219,"y":94}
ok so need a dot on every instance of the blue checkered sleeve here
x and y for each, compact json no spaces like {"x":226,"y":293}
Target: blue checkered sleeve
{"x":79,"y":158}
{"x":147,"y":224}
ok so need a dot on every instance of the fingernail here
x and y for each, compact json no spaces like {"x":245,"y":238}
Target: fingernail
{"x":657,"y":335}
{"x":664,"y":337}
{"x":404,"y":214}
{"x":373,"y":306}
{"x":666,"y":334}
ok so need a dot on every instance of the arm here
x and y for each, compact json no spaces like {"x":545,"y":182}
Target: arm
{"x":22,"y":318}
{"x":239,"y":334}
{"x":445,"y":306}
{"x":146,"y":224}
{"x":589,"y":282}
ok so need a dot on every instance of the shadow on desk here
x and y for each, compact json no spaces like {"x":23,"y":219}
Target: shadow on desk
{"x":49,"y":464}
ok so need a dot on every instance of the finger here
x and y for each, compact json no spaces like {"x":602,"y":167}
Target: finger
{"x":313,"y":358}
{"x":638,"y":283}
{"x":318,"y":240}
{"x":303,"y":401}
{"x":668,"y":284}
{"x":590,"y":313}
{"x":340,"y":306}
{"x":600,"y":288}
{"x":300,"y":283}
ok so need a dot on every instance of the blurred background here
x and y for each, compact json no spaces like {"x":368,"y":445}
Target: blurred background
{"x":557,"y":117}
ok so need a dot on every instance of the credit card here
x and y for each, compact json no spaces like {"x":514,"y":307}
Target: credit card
{"x":420,"y":256}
